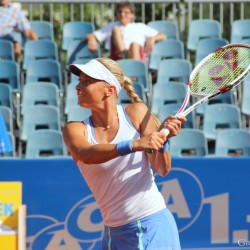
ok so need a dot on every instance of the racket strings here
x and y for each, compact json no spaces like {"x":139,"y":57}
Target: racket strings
{"x":220,"y":69}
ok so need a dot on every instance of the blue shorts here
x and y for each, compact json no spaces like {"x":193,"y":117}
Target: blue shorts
{"x":155,"y":232}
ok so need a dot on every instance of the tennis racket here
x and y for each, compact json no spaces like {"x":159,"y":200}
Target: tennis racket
{"x":215,"y":75}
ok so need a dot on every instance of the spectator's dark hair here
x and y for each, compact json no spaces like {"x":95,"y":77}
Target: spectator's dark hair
{"x":125,"y":4}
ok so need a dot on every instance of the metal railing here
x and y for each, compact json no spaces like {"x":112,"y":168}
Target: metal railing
{"x":100,"y":12}
{"x":225,"y":11}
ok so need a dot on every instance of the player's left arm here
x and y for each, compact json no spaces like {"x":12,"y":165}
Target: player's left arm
{"x":151,"y":137}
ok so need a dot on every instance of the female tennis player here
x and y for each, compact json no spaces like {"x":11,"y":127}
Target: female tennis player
{"x":110,"y":149}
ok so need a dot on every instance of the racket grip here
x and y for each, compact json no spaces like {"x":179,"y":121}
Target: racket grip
{"x":165,"y":131}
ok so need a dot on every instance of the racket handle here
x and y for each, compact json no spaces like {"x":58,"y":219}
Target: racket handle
{"x":165,"y":131}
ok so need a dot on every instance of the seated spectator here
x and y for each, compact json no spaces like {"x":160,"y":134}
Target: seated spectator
{"x":11,"y":20}
{"x":127,"y":38}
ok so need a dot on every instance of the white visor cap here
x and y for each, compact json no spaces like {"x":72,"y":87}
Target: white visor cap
{"x":96,"y":70}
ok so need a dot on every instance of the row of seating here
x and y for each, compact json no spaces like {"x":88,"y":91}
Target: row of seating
{"x":44,"y":114}
{"x":170,"y":86}
{"x":189,"y":142}
{"x":198,"y":29}
{"x":77,"y":50}
{"x":44,"y":67}
{"x":228,"y":142}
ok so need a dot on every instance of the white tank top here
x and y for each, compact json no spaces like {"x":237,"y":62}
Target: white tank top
{"x":124,"y":187}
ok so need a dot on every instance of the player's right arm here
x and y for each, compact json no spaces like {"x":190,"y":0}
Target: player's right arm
{"x":75,"y":138}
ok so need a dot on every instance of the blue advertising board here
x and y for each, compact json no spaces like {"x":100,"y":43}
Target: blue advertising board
{"x":209,"y":198}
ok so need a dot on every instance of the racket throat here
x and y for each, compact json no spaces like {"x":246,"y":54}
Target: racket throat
{"x":184,"y":104}
{"x":224,"y":89}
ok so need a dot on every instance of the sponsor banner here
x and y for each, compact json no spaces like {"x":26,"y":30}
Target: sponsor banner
{"x":209,"y":198}
{"x":10,"y":200}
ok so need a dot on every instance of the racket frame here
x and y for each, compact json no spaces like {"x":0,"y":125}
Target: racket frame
{"x":221,"y":91}
{"x":205,"y":98}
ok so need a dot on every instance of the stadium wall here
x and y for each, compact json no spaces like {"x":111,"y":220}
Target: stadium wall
{"x":208,"y":196}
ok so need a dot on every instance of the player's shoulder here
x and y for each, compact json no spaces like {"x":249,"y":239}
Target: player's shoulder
{"x":74,"y":123}
{"x":73,"y":126}
{"x":137,"y":110}
{"x":136,"y":106}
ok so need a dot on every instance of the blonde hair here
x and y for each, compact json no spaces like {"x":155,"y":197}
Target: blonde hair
{"x":125,"y":81}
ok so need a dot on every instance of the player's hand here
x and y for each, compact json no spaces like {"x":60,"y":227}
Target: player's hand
{"x":173,"y":124}
{"x":153,"y":141}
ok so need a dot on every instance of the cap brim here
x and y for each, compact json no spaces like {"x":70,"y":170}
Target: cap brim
{"x":96,"y":70}
{"x":74,"y":68}
{"x":87,"y":69}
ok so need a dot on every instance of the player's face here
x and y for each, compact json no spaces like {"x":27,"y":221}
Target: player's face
{"x":125,"y":16}
{"x":90,"y":91}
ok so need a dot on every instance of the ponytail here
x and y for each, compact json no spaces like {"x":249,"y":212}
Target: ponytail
{"x":131,"y":93}
{"x":130,"y":90}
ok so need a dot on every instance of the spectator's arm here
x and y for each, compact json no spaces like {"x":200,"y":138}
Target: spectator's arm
{"x":92,"y":42}
{"x":160,"y":37}
{"x":151,"y":41}
{"x":29,"y":33}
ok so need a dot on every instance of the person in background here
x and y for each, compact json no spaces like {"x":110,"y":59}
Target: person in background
{"x":127,"y":39}
{"x":5,"y":143}
{"x":12,"y":20}
{"x":114,"y":149}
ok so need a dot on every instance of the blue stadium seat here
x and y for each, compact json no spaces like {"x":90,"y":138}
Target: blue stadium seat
{"x":44,"y":70}
{"x":6,"y":50}
{"x":75,"y":31}
{"x":6,"y":95}
{"x":10,"y":74}
{"x":40,"y":117}
{"x":240,"y":30}
{"x":220,"y":116}
{"x":170,"y":29}
{"x":232,"y":142}
{"x":174,"y":70}
{"x":207,"y":46}
{"x":166,"y":49}
{"x":37,"y":50}
{"x":45,"y":143}
{"x":200,"y":29}
{"x":245,"y":41}
{"x":189,"y":142}
{"x":43,"y":29}
{"x":167,"y":94}
{"x":40,"y":93}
